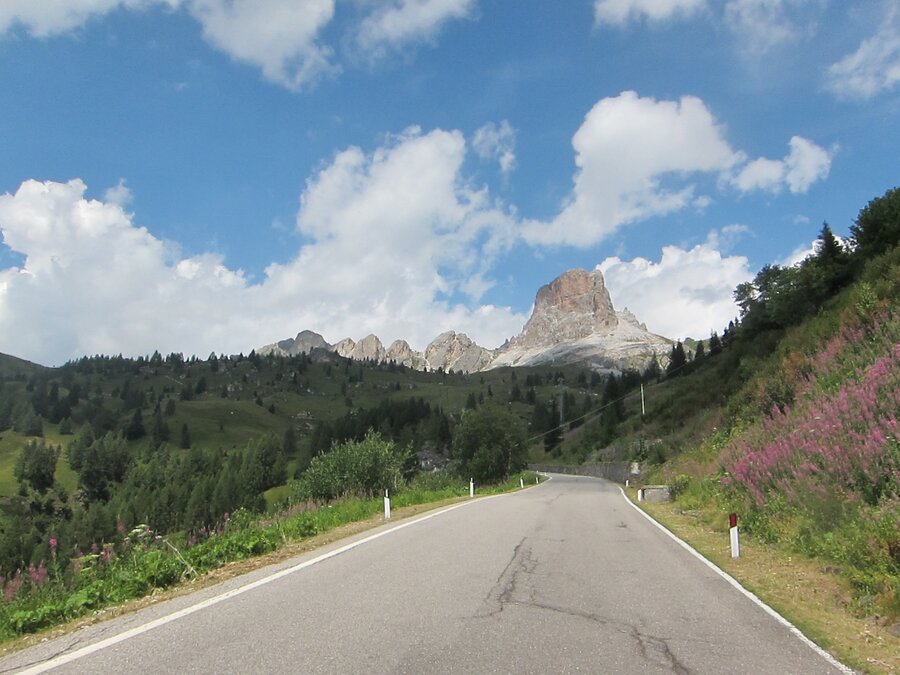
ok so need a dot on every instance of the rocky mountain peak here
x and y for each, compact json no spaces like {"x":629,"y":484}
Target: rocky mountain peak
{"x":345,"y":347}
{"x":573,"y":322}
{"x":572,"y":306}
{"x":455,"y":351}
{"x":305,"y":342}
{"x":370,"y":348}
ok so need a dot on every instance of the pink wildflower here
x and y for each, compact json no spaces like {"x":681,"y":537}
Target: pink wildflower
{"x":38,"y":575}
{"x":11,"y":590}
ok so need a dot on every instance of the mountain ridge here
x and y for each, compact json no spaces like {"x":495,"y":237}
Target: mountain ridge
{"x":573,"y":321}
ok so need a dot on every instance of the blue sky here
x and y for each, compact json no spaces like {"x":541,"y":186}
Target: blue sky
{"x":214,"y":175}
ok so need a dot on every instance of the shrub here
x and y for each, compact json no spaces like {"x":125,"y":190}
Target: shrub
{"x":361,"y":468}
{"x":489,"y":444}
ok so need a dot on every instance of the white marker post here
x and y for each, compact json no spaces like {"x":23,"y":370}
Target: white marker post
{"x":387,"y":506}
{"x":521,"y":482}
{"x":735,"y":539}
{"x":471,"y":487}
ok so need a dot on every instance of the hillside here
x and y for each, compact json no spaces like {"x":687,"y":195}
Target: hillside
{"x":106,"y":443}
{"x":790,"y":418}
{"x":12,"y":368}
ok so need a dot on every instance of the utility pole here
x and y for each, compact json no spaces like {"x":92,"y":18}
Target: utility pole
{"x":562,"y":408}
{"x":643,"y":410}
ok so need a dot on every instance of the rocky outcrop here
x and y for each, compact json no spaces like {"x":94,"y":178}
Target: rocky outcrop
{"x":403,"y":355}
{"x":627,"y":346}
{"x":345,"y":347}
{"x":368,"y":349}
{"x":455,"y":351}
{"x":304,"y":343}
{"x":574,"y":321}
{"x":572,"y":306}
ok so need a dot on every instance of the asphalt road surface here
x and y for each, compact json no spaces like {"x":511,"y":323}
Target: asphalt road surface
{"x":563,"y":577}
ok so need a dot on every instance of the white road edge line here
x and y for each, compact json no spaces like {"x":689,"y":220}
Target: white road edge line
{"x":209,"y":602}
{"x":734,"y":582}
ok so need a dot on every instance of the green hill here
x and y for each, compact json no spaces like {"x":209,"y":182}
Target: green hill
{"x":790,"y":418}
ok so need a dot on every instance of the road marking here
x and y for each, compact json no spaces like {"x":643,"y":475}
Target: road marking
{"x":209,"y":602}
{"x":734,"y":582}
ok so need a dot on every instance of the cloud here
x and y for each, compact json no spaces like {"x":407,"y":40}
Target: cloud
{"x":92,"y":282}
{"x":805,"y":164}
{"x":687,"y":293}
{"x":727,"y":238}
{"x":119,"y":194}
{"x":496,"y":142}
{"x":629,"y":151}
{"x":283,"y":38}
{"x":381,"y":257}
{"x":278,"y":36}
{"x":44,"y":19}
{"x":399,"y":22}
{"x":761,"y":25}
{"x":620,"y":12}
{"x":875,"y":66}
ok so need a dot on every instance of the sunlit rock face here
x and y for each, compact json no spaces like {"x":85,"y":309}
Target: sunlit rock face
{"x":573,"y":321}
{"x":455,"y":351}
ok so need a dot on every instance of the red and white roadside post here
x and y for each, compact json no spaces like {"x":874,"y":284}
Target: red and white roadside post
{"x":735,"y":539}
{"x":387,"y":506}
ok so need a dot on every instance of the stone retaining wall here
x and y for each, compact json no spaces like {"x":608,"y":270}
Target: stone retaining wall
{"x":617,"y":472}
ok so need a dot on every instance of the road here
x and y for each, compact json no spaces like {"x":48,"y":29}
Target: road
{"x":563,"y":577}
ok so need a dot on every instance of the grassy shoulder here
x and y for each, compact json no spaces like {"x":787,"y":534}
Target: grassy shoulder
{"x":141,"y":568}
{"x":806,"y":592}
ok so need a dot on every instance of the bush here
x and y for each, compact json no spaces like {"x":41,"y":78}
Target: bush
{"x":361,"y":468}
{"x":489,"y":444}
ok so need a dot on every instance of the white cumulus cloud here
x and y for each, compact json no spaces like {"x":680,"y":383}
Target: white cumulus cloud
{"x":875,"y":66}
{"x":283,"y":38}
{"x":278,"y":36}
{"x":393,"y":239}
{"x":687,"y":293}
{"x":805,"y":164}
{"x":625,"y":149}
{"x":620,"y":12}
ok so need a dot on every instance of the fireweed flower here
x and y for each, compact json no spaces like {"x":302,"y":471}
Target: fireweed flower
{"x":38,"y":575}
{"x":839,"y":437}
{"x":11,"y":590}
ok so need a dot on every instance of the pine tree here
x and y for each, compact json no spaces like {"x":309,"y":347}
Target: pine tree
{"x":135,"y":428}
{"x":677,"y":360}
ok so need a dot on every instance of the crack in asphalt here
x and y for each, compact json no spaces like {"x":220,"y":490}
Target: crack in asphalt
{"x":508,"y":590}
{"x":60,"y":652}
{"x":75,"y":643}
